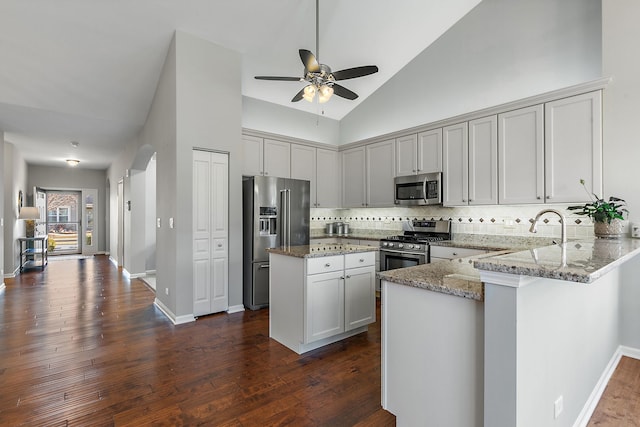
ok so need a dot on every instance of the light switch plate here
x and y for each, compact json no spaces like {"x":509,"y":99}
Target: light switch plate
{"x":158,"y":222}
{"x":170,"y":222}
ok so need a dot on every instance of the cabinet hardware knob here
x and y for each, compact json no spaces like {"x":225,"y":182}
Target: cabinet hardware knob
{"x":548,"y":197}
{"x":361,"y":259}
{"x":327,"y":265}
{"x":266,"y":173}
{"x":471,"y":200}
{"x":538,"y":197}
{"x":455,"y":253}
{"x":413,"y":170}
{"x":464,"y":200}
{"x":348,"y":277}
{"x":219,"y":245}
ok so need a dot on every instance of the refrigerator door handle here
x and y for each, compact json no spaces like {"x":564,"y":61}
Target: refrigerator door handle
{"x":288,"y":217}
{"x":284,"y":220}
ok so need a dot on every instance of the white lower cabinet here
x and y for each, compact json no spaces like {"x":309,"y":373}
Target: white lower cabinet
{"x":321,"y":300}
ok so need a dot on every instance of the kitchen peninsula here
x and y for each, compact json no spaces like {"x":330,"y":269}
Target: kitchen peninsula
{"x":521,"y":338}
{"x":320,"y":294}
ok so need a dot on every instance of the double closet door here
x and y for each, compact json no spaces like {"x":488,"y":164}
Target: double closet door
{"x":210,"y":232}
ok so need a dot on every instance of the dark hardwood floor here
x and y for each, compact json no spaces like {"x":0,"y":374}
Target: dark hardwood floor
{"x":82,"y":345}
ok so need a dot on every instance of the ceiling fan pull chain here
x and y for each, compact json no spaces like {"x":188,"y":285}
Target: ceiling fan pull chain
{"x":317,"y":31}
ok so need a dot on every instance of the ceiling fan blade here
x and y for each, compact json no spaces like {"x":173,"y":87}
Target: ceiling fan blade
{"x":310,"y":62}
{"x":352,"y":73}
{"x":344,"y":92}
{"x":298,"y":96}
{"x":285,"y":79}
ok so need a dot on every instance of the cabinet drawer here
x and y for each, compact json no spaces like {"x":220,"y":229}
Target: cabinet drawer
{"x":325,"y":264}
{"x":450,"y":253}
{"x":361,"y":259}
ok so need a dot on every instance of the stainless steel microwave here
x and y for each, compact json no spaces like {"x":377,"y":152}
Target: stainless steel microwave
{"x":417,"y":190}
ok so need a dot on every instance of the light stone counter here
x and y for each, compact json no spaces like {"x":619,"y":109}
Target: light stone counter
{"x":320,"y":250}
{"x":495,"y":243}
{"x":581,"y":261}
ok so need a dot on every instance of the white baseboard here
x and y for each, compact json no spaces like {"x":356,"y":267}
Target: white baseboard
{"x":596,"y":394}
{"x":150,"y":272}
{"x":235,"y":308}
{"x":176,"y":320}
{"x":136,"y":275}
{"x":2,"y":287}
{"x":113,"y":260}
{"x":10,"y":275}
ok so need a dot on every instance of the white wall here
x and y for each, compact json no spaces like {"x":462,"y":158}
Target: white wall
{"x":51,"y":177}
{"x":621,"y":101}
{"x":15,"y":180}
{"x":501,"y":51}
{"x":274,"y":118}
{"x":209,"y":116}
{"x":150,"y":215}
{"x":2,"y":212}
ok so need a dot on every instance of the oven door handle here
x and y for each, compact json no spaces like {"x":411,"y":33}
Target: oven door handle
{"x":403,"y":252}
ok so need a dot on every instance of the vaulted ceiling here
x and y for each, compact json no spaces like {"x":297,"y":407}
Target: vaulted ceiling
{"x":86,"y":70}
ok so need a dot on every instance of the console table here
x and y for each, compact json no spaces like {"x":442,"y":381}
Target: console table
{"x":33,"y":252}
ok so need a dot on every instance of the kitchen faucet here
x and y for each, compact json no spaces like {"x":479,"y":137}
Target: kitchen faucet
{"x":563,"y":223}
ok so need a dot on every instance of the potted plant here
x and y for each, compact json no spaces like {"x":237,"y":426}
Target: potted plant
{"x":607,"y":215}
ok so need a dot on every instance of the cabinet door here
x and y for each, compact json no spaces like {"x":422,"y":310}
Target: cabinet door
{"x":353,"y":178}
{"x":430,"y":151}
{"x":253,"y":156}
{"x":277,"y":158}
{"x":359,"y":297}
{"x":483,"y":161}
{"x":573,"y":147}
{"x":521,"y":156}
{"x":380,"y":173}
{"x":455,"y":165}
{"x":406,"y":161}
{"x":303,"y":166}
{"x":328,"y":178}
{"x":324,"y":304}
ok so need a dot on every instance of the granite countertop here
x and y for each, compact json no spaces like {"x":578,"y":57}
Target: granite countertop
{"x":581,"y":261}
{"x":320,"y":250}
{"x":495,"y":242}
{"x":454,"y":277}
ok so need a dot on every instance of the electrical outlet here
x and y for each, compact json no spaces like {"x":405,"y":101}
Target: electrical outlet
{"x":558,"y":406}
{"x":509,"y":223}
{"x":166,"y":291}
{"x":158,"y":222}
{"x":170,"y":222}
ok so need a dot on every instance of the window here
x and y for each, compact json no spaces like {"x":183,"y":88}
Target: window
{"x":60,"y":214}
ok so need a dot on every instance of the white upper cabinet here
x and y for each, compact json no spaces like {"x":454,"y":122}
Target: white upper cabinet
{"x":421,"y":153}
{"x":483,"y":161}
{"x":353,"y":177}
{"x":380,"y":174}
{"x":253,"y":155}
{"x":406,"y":158}
{"x":573,"y":147}
{"x":266,"y":157}
{"x":303,"y":166}
{"x":328,"y":179}
{"x":430,"y":151}
{"x":277,"y":158}
{"x":455,"y":165}
{"x":521,"y":156}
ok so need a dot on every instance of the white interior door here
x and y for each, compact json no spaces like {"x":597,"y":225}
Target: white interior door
{"x":210,"y":232}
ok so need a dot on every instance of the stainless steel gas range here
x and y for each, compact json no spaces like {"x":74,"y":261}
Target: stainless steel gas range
{"x":412,"y":247}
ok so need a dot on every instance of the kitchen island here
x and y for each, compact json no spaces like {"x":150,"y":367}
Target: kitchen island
{"x":320,"y":294}
{"x":525,"y":338}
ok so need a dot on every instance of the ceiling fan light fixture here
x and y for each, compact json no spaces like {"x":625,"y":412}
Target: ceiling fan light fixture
{"x":309,"y":93}
{"x":325,"y":94}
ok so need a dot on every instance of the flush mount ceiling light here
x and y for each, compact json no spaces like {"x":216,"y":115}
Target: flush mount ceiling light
{"x":320,"y":78}
{"x":72,"y":162}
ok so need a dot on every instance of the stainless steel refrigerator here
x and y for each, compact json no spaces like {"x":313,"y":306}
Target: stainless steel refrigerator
{"x":275,"y":213}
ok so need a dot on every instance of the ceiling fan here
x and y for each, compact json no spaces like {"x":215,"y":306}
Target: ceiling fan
{"x":320,"y":78}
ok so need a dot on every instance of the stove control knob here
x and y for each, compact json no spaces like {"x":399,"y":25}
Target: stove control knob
{"x":410,"y":246}
{"x":384,"y":244}
{"x":390,"y":245}
{"x":400,"y":245}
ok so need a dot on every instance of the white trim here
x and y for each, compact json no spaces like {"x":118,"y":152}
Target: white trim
{"x":506,"y":279}
{"x":11,"y":275}
{"x":591,"y":403}
{"x":136,"y":275}
{"x":2,"y":287}
{"x":235,"y":309}
{"x":289,"y":139}
{"x":113,"y":260}
{"x":176,"y":320}
{"x":150,"y":273}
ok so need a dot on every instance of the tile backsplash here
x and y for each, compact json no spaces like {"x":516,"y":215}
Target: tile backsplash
{"x":496,"y":220}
